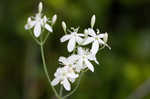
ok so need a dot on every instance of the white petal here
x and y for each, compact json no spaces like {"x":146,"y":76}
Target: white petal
{"x":80,"y":34}
{"x":65,"y":38}
{"x":63,"y":60}
{"x":73,"y":58}
{"x":95,"y":47}
{"x":71,"y":44}
{"x":93,"y":21}
{"x":100,"y":35}
{"x":80,"y":51}
{"x":66,"y":84}
{"x":79,"y":40}
{"x":37,"y":30}
{"x":80,"y":62}
{"x":88,"y":40}
{"x":58,"y":72}
{"x":101,"y":41}
{"x":94,"y":59}
{"x":89,"y":65}
{"x":72,"y":75}
{"x":91,"y":32}
{"x":55,"y":82}
{"x":29,"y":24}
{"x":49,"y":28}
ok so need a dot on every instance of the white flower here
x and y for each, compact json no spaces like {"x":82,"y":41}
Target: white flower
{"x":63,"y":76}
{"x":73,"y":38}
{"x":39,"y":22}
{"x":84,"y":56}
{"x":72,"y":61}
{"x":96,"y":39}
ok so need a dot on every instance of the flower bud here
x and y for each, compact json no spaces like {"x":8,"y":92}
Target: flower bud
{"x":40,"y":7}
{"x":54,"y":18}
{"x":93,"y":21}
{"x":105,"y":38}
{"x":64,"y":26}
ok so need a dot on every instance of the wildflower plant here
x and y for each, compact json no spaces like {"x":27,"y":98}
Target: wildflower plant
{"x":80,"y":56}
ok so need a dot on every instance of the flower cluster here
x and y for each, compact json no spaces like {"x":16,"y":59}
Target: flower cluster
{"x":39,"y":22}
{"x":81,"y":56}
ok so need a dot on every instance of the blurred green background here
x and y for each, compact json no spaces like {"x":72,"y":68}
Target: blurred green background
{"x":124,"y":71}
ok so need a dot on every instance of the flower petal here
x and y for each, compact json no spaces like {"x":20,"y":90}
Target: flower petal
{"x":101,"y":41}
{"x":63,"y":60}
{"x":66,"y":84}
{"x":79,"y":40}
{"x":88,"y":40}
{"x":65,"y":38}
{"x":71,"y":44}
{"x":91,"y":32}
{"x":89,"y":65}
{"x":55,"y":82}
{"x":79,"y":34}
{"x":101,"y":35}
{"x":80,"y":51}
{"x":72,"y":75}
{"x":73,"y":58}
{"x":29,"y":24}
{"x":37,"y":30}
{"x":95,"y":47}
{"x":49,"y":28}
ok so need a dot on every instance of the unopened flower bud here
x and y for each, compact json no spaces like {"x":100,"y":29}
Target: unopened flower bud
{"x":105,"y":37}
{"x":64,"y":26}
{"x":40,"y":7}
{"x":54,"y":18}
{"x":93,"y":21}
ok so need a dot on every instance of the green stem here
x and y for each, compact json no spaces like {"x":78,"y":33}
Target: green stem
{"x":46,"y":72}
{"x":61,"y":90}
{"x":77,"y":86}
{"x":36,"y":40}
{"x":46,"y":37}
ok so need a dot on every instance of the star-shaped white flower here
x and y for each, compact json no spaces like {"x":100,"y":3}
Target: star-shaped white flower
{"x":96,"y":39}
{"x":39,"y":22}
{"x":84,"y":58}
{"x":63,"y":76}
{"x":74,"y":37}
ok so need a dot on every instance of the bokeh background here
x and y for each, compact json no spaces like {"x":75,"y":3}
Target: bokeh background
{"x":124,"y":71}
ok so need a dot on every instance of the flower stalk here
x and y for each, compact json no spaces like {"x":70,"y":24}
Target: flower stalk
{"x":46,"y":72}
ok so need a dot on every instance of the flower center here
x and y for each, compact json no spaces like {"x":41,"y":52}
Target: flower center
{"x":96,"y":38}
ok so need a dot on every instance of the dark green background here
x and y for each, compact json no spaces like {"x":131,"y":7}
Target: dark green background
{"x":122,"y":70}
